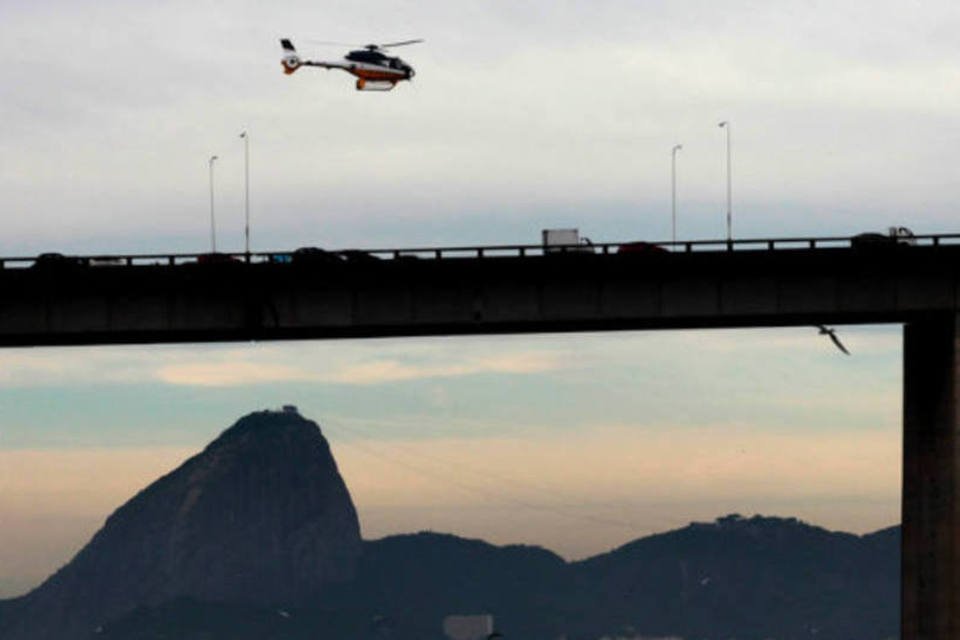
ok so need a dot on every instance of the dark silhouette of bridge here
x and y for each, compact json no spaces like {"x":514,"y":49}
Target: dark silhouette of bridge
{"x":314,"y":294}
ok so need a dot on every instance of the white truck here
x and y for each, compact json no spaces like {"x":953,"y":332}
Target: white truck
{"x":565,"y":241}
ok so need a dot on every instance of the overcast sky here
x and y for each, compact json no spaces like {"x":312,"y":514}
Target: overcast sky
{"x":522,"y":116}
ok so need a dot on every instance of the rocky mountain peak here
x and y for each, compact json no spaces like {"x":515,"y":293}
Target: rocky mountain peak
{"x":260,"y":516}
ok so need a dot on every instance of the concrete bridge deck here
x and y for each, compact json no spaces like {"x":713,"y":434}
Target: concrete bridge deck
{"x":325,"y":297}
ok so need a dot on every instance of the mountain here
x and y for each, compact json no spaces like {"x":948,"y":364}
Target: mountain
{"x":261,"y":517}
{"x":256,"y":537}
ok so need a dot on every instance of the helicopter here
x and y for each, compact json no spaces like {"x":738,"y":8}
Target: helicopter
{"x":375,"y":71}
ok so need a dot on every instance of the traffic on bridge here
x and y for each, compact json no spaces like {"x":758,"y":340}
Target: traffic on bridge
{"x":555,"y":241}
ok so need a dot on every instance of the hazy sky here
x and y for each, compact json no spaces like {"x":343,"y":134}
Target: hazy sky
{"x":523,"y":115}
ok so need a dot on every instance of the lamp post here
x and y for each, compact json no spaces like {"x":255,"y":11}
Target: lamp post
{"x":246,"y":189}
{"x":673,"y":186}
{"x":213,"y":226}
{"x":726,"y":125}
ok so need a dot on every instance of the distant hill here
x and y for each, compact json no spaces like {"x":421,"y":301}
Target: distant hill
{"x":256,"y":537}
{"x":416,"y":580}
{"x":746,"y":578}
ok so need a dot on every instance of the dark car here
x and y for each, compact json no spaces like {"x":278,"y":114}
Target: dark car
{"x":895,"y":236}
{"x":355,"y":255}
{"x":314,"y":255}
{"x":640,"y":248}
{"x":871,"y":240}
{"x":216,"y":258}
{"x":56,"y":261}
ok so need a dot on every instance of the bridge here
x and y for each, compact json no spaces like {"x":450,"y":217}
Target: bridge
{"x":315,"y":294}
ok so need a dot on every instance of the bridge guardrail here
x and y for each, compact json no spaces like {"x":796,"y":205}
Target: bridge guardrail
{"x":468,"y":251}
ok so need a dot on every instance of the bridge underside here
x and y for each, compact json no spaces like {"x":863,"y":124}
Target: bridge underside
{"x":917,"y":286}
{"x":379,"y":298}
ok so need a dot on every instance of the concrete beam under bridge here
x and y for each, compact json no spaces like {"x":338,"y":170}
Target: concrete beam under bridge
{"x":930,"y":576}
{"x":480,"y":295}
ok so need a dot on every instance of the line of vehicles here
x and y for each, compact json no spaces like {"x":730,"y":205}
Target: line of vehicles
{"x":564,"y":241}
{"x":303,"y":255}
{"x":570,"y":241}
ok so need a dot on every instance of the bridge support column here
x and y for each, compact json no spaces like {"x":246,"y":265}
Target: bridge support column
{"x":930,"y":574}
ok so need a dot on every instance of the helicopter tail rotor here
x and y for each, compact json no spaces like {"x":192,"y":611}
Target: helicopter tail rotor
{"x":290,"y":61}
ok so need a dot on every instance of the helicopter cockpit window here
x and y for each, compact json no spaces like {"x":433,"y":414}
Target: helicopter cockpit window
{"x":373,"y":57}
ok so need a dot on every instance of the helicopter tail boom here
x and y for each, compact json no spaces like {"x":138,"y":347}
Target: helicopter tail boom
{"x":290,"y":61}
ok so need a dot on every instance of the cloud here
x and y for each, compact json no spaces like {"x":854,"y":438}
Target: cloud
{"x":238,"y":369}
{"x":365,"y":363}
{"x":230,"y":373}
{"x":383,"y":371}
{"x":227,"y":366}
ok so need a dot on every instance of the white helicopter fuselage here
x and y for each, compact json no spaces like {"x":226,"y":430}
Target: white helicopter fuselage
{"x":380,"y":75}
{"x":370,"y":77}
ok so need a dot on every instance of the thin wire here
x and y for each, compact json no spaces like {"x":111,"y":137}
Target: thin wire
{"x":485,"y":474}
{"x":486,"y":491}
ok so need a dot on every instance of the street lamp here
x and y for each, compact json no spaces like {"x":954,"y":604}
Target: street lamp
{"x":246,"y":183}
{"x":726,"y":125}
{"x":213,"y":226}
{"x":673,"y":184}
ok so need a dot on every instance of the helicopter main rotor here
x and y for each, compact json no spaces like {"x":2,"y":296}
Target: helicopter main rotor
{"x":389,"y":45}
{"x":368,"y":47}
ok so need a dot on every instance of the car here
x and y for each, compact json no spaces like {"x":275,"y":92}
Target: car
{"x":216,"y":257}
{"x":640,"y":247}
{"x":56,"y":261}
{"x":314,"y":255}
{"x":895,"y":236}
{"x":356,"y":255}
{"x":871,"y":239}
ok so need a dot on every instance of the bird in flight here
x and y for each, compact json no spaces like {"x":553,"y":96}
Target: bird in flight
{"x":826,"y":331}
